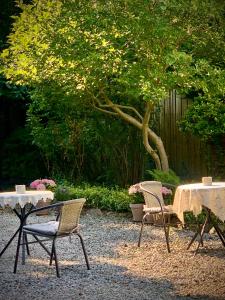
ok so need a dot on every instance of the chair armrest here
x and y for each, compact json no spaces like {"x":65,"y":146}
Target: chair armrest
{"x":43,"y":208}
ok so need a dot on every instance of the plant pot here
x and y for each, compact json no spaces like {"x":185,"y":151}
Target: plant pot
{"x":137,"y":212}
{"x":42,"y":203}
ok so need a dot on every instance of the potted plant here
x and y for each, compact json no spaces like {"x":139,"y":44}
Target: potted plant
{"x":137,"y":202}
{"x":42,"y":185}
{"x":136,"y":207}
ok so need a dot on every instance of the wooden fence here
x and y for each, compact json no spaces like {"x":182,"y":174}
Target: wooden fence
{"x":186,"y":153}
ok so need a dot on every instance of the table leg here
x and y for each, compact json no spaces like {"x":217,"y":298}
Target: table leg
{"x":219,"y":233}
{"x":202,"y":233}
{"x":208,"y":220}
{"x":21,"y":215}
{"x":196,"y":234}
{"x":18,"y":249}
{"x":9,"y":242}
{"x":23,"y":248}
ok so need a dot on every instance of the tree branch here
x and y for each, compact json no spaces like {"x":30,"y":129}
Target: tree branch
{"x":106,"y":111}
{"x":145,"y":134}
{"x":131,"y":108}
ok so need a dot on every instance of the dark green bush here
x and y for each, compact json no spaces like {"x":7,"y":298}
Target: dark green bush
{"x":191,"y":219}
{"x":20,"y":158}
{"x":97,"y":197}
{"x":137,"y":198}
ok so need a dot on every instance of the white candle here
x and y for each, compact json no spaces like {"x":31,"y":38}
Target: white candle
{"x":20,"y":189}
{"x":207,"y":180}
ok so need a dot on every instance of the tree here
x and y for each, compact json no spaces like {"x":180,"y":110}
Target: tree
{"x":120,"y":57}
{"x":75,"y":143}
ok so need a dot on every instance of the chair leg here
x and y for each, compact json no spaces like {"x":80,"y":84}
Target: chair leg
{"x":41,"y":244}
{"x":140,"y":235}
{"x":27,"y":247}
{"x":166,"y":233}
{"x":55,"y":258}
{"x":23,"y":248}
{"x":17,"y":250}
{"x":84,"y":250}
{"x":51,"y":256}
{"x":167,"y":237}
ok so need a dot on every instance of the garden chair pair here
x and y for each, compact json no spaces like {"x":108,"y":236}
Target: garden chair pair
{"x":155,"y":206}
{"x":65,"y":225}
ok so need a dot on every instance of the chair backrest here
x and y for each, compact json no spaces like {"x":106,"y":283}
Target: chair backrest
{"x":154,"y":187}
{"x":70,"y":215}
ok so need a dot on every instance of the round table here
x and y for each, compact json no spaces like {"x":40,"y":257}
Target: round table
{"x":19,"y":202}
{"x":13,"y":198}
{"x":194,"y":197}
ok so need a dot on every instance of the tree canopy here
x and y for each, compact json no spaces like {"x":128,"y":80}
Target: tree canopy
{"x":120,"y":57}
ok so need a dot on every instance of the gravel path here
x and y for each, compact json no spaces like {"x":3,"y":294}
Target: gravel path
{"x":119,"y":269}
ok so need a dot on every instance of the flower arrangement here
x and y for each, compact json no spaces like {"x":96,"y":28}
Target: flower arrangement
{"x":166,"y":191}
{"x":43,"y":184}
{"x":136,"y":188}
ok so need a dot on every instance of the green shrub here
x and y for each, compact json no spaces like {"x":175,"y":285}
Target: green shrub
{"x":137,"y":198}
{"x":97,"y":197}
{"x":191,"y":219}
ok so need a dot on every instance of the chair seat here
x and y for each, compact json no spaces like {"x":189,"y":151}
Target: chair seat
{"x":49,"y":228}
{"x":166,"y":209}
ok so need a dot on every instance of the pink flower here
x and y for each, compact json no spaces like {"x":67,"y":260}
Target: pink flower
{"x":35,"y":183}
{"x":41,"y":187}
{"x":48,"y":182}
{"x":42,"y":184}
{"x":166,"y":191}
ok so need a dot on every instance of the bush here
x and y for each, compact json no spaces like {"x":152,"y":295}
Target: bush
{"x":97,"y":197}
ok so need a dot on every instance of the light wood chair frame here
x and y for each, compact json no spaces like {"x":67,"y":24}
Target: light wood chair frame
{"x":166,"y":226}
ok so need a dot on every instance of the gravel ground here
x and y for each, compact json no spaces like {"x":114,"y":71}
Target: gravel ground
{"x":119,"y":269}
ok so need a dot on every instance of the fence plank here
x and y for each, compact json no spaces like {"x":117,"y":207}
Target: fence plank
{"x":185,"y":152}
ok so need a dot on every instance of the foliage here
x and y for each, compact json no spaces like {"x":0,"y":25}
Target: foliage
{"x":165,"y":177}
{"x":192,"y":221}
{"x":120,"y":57}
{"x":97,"y":196}
{"x":8,"y":8}
{"x":76,"y":144}
{"x":137,"y":198}
{"x":24,"y":161}
{"x":205,"y":118}
{"x":12,"y":91}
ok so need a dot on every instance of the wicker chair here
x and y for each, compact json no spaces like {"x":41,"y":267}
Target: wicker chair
{"x":66,"y":224}
{"x":155,"y":206}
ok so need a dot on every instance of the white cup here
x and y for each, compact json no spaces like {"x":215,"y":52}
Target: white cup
{"x":20,"y":189}
{"x":207,"y":180}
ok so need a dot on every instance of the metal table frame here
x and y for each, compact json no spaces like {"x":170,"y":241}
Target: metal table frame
{"x":21,"y":213}
{"x":201,"y":231}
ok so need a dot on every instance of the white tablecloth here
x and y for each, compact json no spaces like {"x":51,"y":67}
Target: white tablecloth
{"x":191,"y":197}
{"x":13,"y":198}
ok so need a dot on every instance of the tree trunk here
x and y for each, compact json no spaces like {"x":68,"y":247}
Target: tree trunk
{"x":149,"y":137}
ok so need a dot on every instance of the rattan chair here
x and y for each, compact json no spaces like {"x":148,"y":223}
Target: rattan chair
{"x":66,"y":224}
{"x":155,"y":206}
